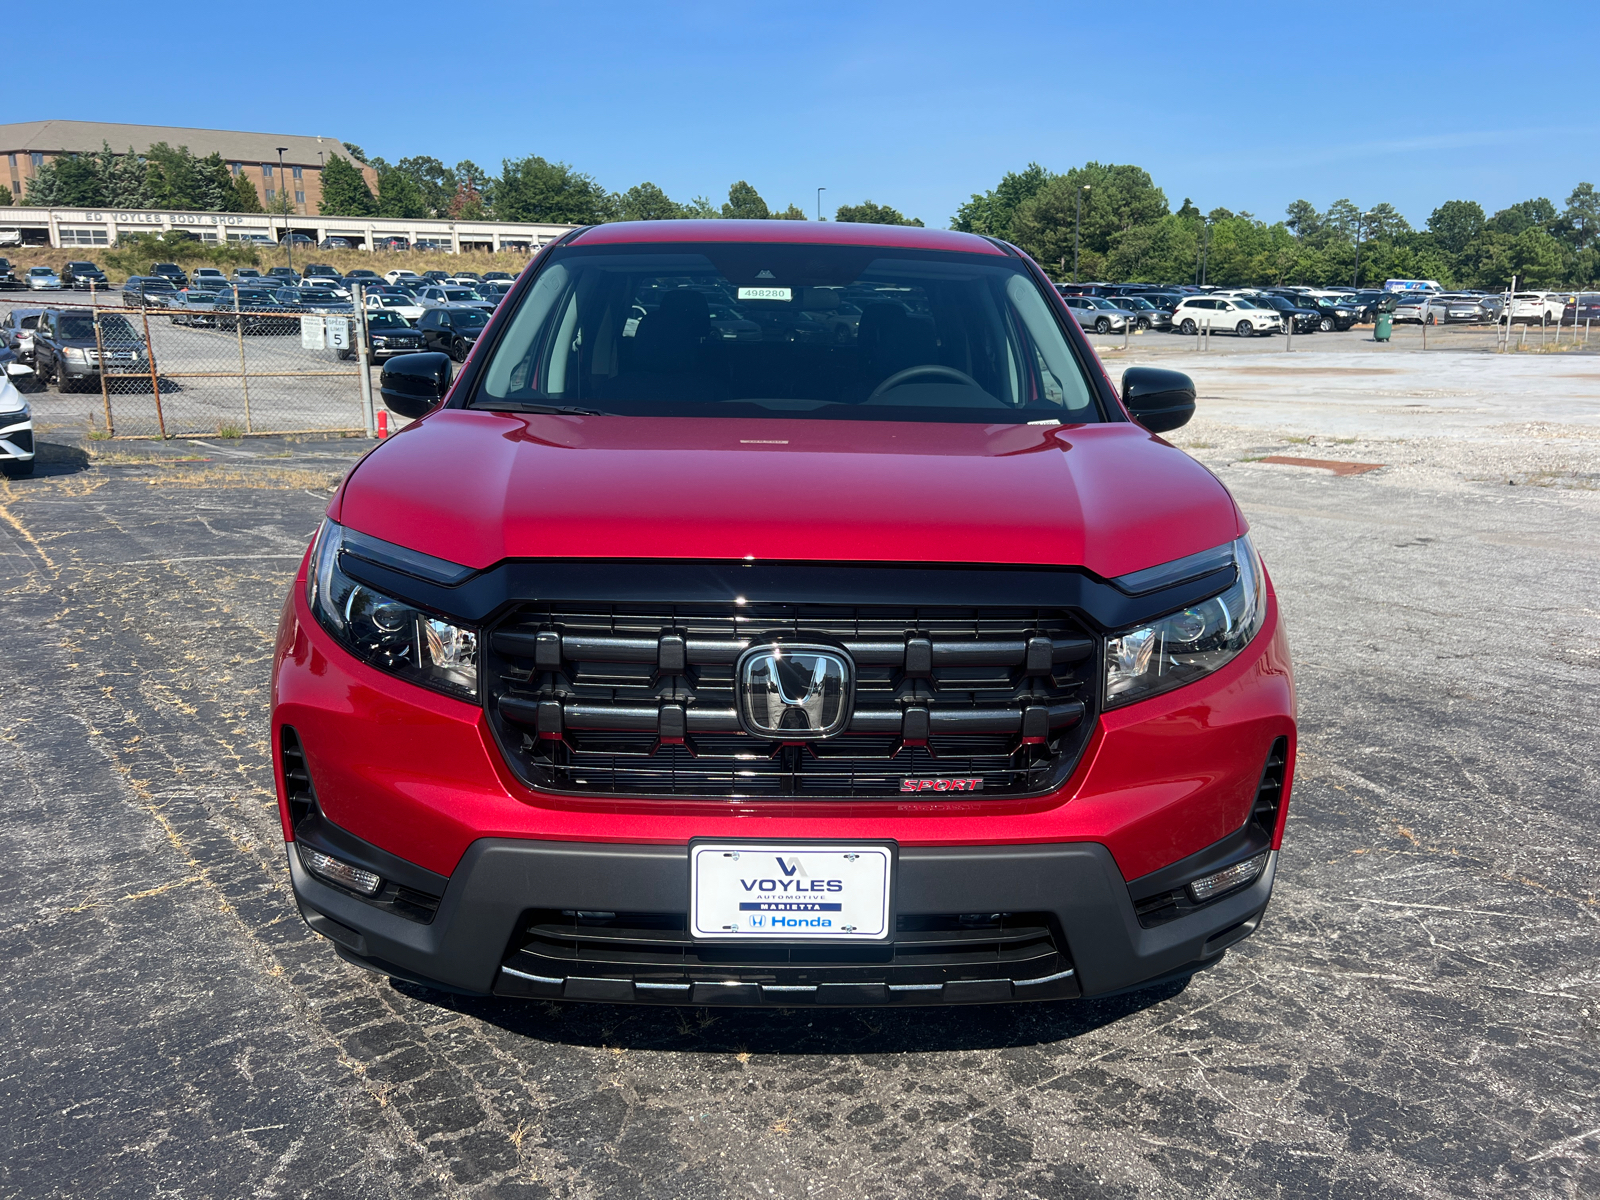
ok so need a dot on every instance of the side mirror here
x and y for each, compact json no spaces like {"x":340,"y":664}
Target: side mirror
{"x":414,"y":384}
{"x":1159,"y":400}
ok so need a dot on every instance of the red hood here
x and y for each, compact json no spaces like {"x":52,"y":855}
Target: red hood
{"x":478,"y":487}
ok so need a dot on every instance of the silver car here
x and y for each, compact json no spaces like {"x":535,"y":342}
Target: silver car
{"x":196,"y":304}
{"x":43,"y":279}
{"x":16,"y":332}
{"x":1102,"y":316}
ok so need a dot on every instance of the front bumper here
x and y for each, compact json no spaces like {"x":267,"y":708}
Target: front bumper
{"x":16,"y":440}
{"x":511,"y":922}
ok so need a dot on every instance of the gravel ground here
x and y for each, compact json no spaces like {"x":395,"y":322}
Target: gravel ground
{"x":1418,"y":1016}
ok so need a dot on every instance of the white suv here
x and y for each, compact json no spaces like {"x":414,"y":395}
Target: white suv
{"x":1235,"y":313}
{"x":1537,"y":307}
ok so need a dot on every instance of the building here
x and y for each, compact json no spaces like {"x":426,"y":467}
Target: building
{"x":29,"y":145}
{"x":81,"y":227}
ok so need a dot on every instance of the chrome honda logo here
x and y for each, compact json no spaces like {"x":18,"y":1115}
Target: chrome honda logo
{"x":797,"y":693}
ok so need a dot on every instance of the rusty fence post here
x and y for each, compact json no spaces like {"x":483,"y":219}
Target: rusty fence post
{"x":100,"y":355}
{"x":155,"y":382}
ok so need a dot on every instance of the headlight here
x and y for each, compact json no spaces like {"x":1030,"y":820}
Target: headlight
{"x":73,"y":354}
{"x":388,"y":633}
{"x":1192,"y":643}
{"x":13,"y":416}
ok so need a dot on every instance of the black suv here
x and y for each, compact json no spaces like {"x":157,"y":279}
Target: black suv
{"x":453,"y":330}
{"x":172,"y":272}
{"x":81,"y":275}
{"x":1306,"y":318}
{"x":148,"y":291}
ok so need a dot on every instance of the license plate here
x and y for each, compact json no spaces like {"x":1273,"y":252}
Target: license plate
{"x":789,"y":892}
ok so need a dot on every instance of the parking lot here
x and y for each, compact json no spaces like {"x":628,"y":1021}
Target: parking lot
{"x":1418,"y":1016}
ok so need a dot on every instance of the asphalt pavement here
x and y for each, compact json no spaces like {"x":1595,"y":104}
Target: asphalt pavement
{"x":1417,"y":1017}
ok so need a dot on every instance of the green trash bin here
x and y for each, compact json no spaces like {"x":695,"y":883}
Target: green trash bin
{"x":1383,"y":327}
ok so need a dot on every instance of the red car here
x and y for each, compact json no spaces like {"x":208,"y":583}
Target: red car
{"x":904,"y":666}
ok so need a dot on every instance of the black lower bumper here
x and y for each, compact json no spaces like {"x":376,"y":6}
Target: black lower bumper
{"x":581,"y":921}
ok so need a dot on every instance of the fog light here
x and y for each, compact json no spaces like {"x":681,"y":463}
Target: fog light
{"x":342,"y":873}
{"x":1225,"y":880}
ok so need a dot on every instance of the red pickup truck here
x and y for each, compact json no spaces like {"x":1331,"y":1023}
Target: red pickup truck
{"x":861,"y":645}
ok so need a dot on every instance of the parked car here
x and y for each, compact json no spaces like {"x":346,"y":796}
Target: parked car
{"x":43,"y":279}
{"x":1584,"y":309}
{"x":1221,"y":314}
{"x":1337,"y":316}
{"x":1145,"y":314}
{"x":282,"y":276}
{"x":16,"y":425}
{"x":1096,"y":313}
{"x":1411,"y":305}
{"x":497,"y":290}
{"x":194,"y":306}
{"x":1062,"y":773}
{"x":430,"y":297}
{"x":505,"y":275}
{"x":148,"y":291}
{"x":1537,"y":308}
{"x":16,"y":332}
{"x":319,"y":271}
{"x":246,"y":276}
{"x":1454,"y":308}
{"x":454,"y":331}
{"x":1302,"y":317}
{"x":389,"y":334}
{"x":392,"y":243}
{"x":296,"y":239}
{"x":364,"y":277}
{"x":402,"y":306}
{"x":400,"y":273}
{"x":256,"y":309}
{"x":335,"y":243}
{"x":171,"y":272}
{"x":8,"y":275}
{"x":67,"y":353}
{"x":208,"y":279}
{"x":466,"y":279}
{"x":436,"y":276}
{"x":83,"y":276}
{"x":314,"y":299}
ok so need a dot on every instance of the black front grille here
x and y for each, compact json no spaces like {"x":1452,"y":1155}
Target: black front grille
{"x":942,"y":958}
{"x":632,"y":699}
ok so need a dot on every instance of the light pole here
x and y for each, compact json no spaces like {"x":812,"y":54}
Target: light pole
{"x":1077,"y":225}
{"x":1355,"y":280}
{"x":1205,"y":250}
{"x":283,"y":197}
{"x":820,"y":190}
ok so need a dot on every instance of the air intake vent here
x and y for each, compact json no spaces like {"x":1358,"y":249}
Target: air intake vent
{"x":1269,"y":796}
{"x":296,"y":777}
{"x":639,"y":699}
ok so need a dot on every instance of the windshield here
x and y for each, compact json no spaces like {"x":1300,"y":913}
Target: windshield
{"x":459,"y":294}
{"x":385,"y":320}
{"x":40,"y":271}
{"x":940,"y":336}
{"x":468,"y":319}
{"x":1241,"y":302}
{"x":312,"y":294}
{"x":81,"y":325}
{"x":394,"y":301}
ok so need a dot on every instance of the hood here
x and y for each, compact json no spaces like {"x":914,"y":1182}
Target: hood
{"x":479,"y":487}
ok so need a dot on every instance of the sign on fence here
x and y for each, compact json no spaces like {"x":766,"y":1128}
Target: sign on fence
{"x":312,"y":334}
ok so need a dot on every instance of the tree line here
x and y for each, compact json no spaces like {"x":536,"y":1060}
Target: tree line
{"x":1127,"y":232}
{"x":162,"y":177}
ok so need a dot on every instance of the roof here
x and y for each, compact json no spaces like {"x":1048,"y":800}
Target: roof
{"x":87,"y":137}
{"x":824,"y":233}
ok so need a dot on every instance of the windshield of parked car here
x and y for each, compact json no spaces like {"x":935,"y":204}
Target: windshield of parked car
{"x":386,"y":320}
{"x":469,"y":318}
{"x":81,"y":325}
{"x":40,"y":271}
{"x":457,"y":295}
{"x":940,"y":337}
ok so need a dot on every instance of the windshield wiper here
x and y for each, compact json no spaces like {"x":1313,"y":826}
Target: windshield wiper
{"x":565,"y":410}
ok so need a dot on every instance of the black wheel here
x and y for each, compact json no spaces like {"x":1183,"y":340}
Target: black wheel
{"x":1142,"y":324}
{"x":458,"y":351}
{"x":1245,"y":329}
{"x":1432,"y":320}
{"x":1187,"y":328}
{"x":16,"y":468}
{"x":344,"y":355}
{"x":1102,"y":325}
{"x":1326,"y":325}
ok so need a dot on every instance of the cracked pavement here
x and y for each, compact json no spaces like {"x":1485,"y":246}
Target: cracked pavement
{"x":1418,"y":1015}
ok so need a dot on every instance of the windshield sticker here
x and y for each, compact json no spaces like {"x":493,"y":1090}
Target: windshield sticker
{"x":766,"y":293}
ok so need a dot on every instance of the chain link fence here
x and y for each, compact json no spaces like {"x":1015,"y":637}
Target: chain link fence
{"x":204,"y":369}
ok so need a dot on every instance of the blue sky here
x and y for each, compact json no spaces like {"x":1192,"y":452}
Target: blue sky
{"x":916,"y":106}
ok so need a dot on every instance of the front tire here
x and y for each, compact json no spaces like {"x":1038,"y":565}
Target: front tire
{"x":1187,"y":328}
{"x":1141,"y":325}
{"x":458,"y":352}
{"x":1102,"y":325}
{"x":1325,"y":325}
{"x":1245,"y":329}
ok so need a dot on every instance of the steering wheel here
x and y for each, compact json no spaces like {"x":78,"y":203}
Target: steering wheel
{"x":910,"y":373}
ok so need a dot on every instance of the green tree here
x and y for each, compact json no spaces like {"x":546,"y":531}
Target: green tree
{"x":1162,"y":252}
{"x":476,"y":178}
{"x":1537,"y":259}
{"x":1304,"y":221}
{"x":126,"y":180}
{"x":436,"y":183}
{"x":991,"y":212}
{"x":42,"y":187}
{"x":5,"y":196}
{"x":1119,"y":198}
{"x":79,"y":181}
{"x":795,"y":213}
{"x":745,"y":204}
{"x":647,"y":202}
{"x":1384,"y":221}
{"x":399,"y":195}
{"x":532,"y":189}
{"x":171,"y":177}
{"x":1522,"y":216}
{"x":356,"y":152}
{"x":1581,"y":216}
{"x":245,"y":197}
{"x":1455,"y":223}
{"x":344,"y":191}
{"x":868,"y":213}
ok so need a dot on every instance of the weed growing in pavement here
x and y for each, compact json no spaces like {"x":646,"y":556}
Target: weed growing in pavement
{"x":232,"y":432}
{"x":99,"y":435}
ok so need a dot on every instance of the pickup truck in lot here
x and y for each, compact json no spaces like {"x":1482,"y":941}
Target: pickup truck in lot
{"x":910,"y":667}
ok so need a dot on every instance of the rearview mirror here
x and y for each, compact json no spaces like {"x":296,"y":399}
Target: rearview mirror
{"x":1157,"y":399}
{"x":414,"y":384}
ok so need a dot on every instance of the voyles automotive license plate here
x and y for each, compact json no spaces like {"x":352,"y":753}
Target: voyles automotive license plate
{"x":789,"y":892}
